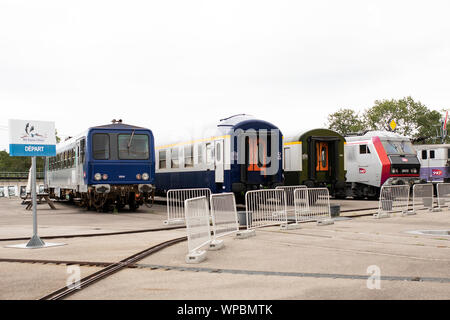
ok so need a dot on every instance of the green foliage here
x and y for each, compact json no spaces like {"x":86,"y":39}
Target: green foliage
{"x":413,"y":119}
{"x":345,"y":121}
{"x":18,"y":164}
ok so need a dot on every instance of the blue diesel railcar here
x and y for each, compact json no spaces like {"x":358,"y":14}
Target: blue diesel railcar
{"x":105,"y":167}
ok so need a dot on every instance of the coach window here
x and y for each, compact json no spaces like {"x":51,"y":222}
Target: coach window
{"x":448,"y":153}
{"x":200,"y":154}
{"x":162,"y":159}
{"x":72,"y":158}
{"x":175,"y":162}
{"x":209,"y":153}
{"x":64,"y":159}
{"x":188,"y":156}
{"x":424,"y":154}
{"x":431,"y":154}
{"x":100,"y":146}
{"x":82,"y":150}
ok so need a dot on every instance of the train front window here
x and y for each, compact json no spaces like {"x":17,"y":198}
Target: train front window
{"x":133,"y":146}
{"x":100,"y":146}
{"x":398,"y":147}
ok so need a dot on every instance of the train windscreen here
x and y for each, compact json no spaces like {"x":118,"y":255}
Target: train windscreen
{"x":398,"y":147}
{"x":133,"y":146}
{"x":100,"y":146}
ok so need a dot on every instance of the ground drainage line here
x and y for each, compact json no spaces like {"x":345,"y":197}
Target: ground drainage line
{"x":291,"y":274}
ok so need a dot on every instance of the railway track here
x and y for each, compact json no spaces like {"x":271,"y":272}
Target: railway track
{"x":108,"y":270}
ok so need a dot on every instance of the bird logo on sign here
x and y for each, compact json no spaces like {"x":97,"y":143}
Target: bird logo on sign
{"x":30,"y":131}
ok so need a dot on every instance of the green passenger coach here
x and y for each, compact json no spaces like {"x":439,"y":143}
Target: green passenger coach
{"x":315,"y":158}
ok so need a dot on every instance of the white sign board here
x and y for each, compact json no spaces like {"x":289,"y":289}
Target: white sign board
{"x":28,"y":138}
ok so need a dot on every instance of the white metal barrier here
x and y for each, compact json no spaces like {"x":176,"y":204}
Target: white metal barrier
{"x":224,"y":217}
{"x":393,"y":199}
{"x":197,"y":227}
{"x":265,"y":207}
{"x":422,"y":197}
{"x":443,"y":194}
{"x":312,"y":204}
{"x":289,"y":191}
{"x":175,"y":203}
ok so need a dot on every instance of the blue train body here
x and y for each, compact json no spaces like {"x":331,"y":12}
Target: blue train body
{"x":241,"y":153}
{"x":104,"y":167}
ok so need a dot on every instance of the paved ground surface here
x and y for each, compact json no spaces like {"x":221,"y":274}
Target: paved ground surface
{"x":327,"y":262}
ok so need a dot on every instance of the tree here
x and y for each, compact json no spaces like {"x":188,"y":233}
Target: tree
{"x":413,"y":119}
{"x":345,"y":121}
{"x":18,"y":164}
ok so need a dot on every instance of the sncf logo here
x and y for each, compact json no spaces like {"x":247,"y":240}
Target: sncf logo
{"x":404,"y":160}
{"x":362,"y":170}
{"x":437,"y":172}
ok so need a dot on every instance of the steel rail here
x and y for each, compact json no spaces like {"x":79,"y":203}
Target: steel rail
{"x":109,"y":270}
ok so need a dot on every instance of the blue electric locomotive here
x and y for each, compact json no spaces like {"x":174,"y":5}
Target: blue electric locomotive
{"x":104,"y":167}
{"x":240,"y":153}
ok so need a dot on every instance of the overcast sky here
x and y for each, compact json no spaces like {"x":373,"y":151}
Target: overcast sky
{"x":169,"y":65}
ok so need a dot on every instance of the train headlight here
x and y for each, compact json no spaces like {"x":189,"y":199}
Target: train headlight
{"x":138,"y":176}
{"x":145,"y":176}
{"x":105,"y":176}
{"x":413,"y":170}
{"x":97,"y":176}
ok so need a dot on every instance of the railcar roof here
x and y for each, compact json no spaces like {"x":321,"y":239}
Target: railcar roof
{"x":296,"y":136}
{"x":382,"y":134}
{"x":431,"y":146}
{"x":204,"y":131}
{"x":122,"y":126}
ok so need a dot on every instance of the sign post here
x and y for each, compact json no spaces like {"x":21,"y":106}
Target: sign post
{"x":32,"y":139}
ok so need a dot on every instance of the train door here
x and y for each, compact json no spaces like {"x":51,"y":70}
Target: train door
{"x":79,"y":164}
{"x":322,"y":160}
{"x":218,"y":161}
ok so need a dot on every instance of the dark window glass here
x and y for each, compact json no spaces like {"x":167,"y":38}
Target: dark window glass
{"x":431,"y":154}
{"x":100,"y":146}
{"x":82,"y":150}
{"x":162,"y":159}
{"x":448,"y":153}
{"x":133,"y":146}
{"x":424,"y":154}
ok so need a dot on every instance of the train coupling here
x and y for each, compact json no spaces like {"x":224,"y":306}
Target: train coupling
{"x":146,"y":188}
{"x":102,"y":188}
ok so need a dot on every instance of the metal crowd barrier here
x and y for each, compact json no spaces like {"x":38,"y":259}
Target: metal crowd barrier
{"x":176,"y":201}
{"x":289,"y":191}
{"x":224,"y":217}
{"x":443,"y":194}
{"x":422,"y":197}
{"x":312,"y":204}
{"x":265,"y":207}
{"x":393,"y":199}
{"x":197,"y":227}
